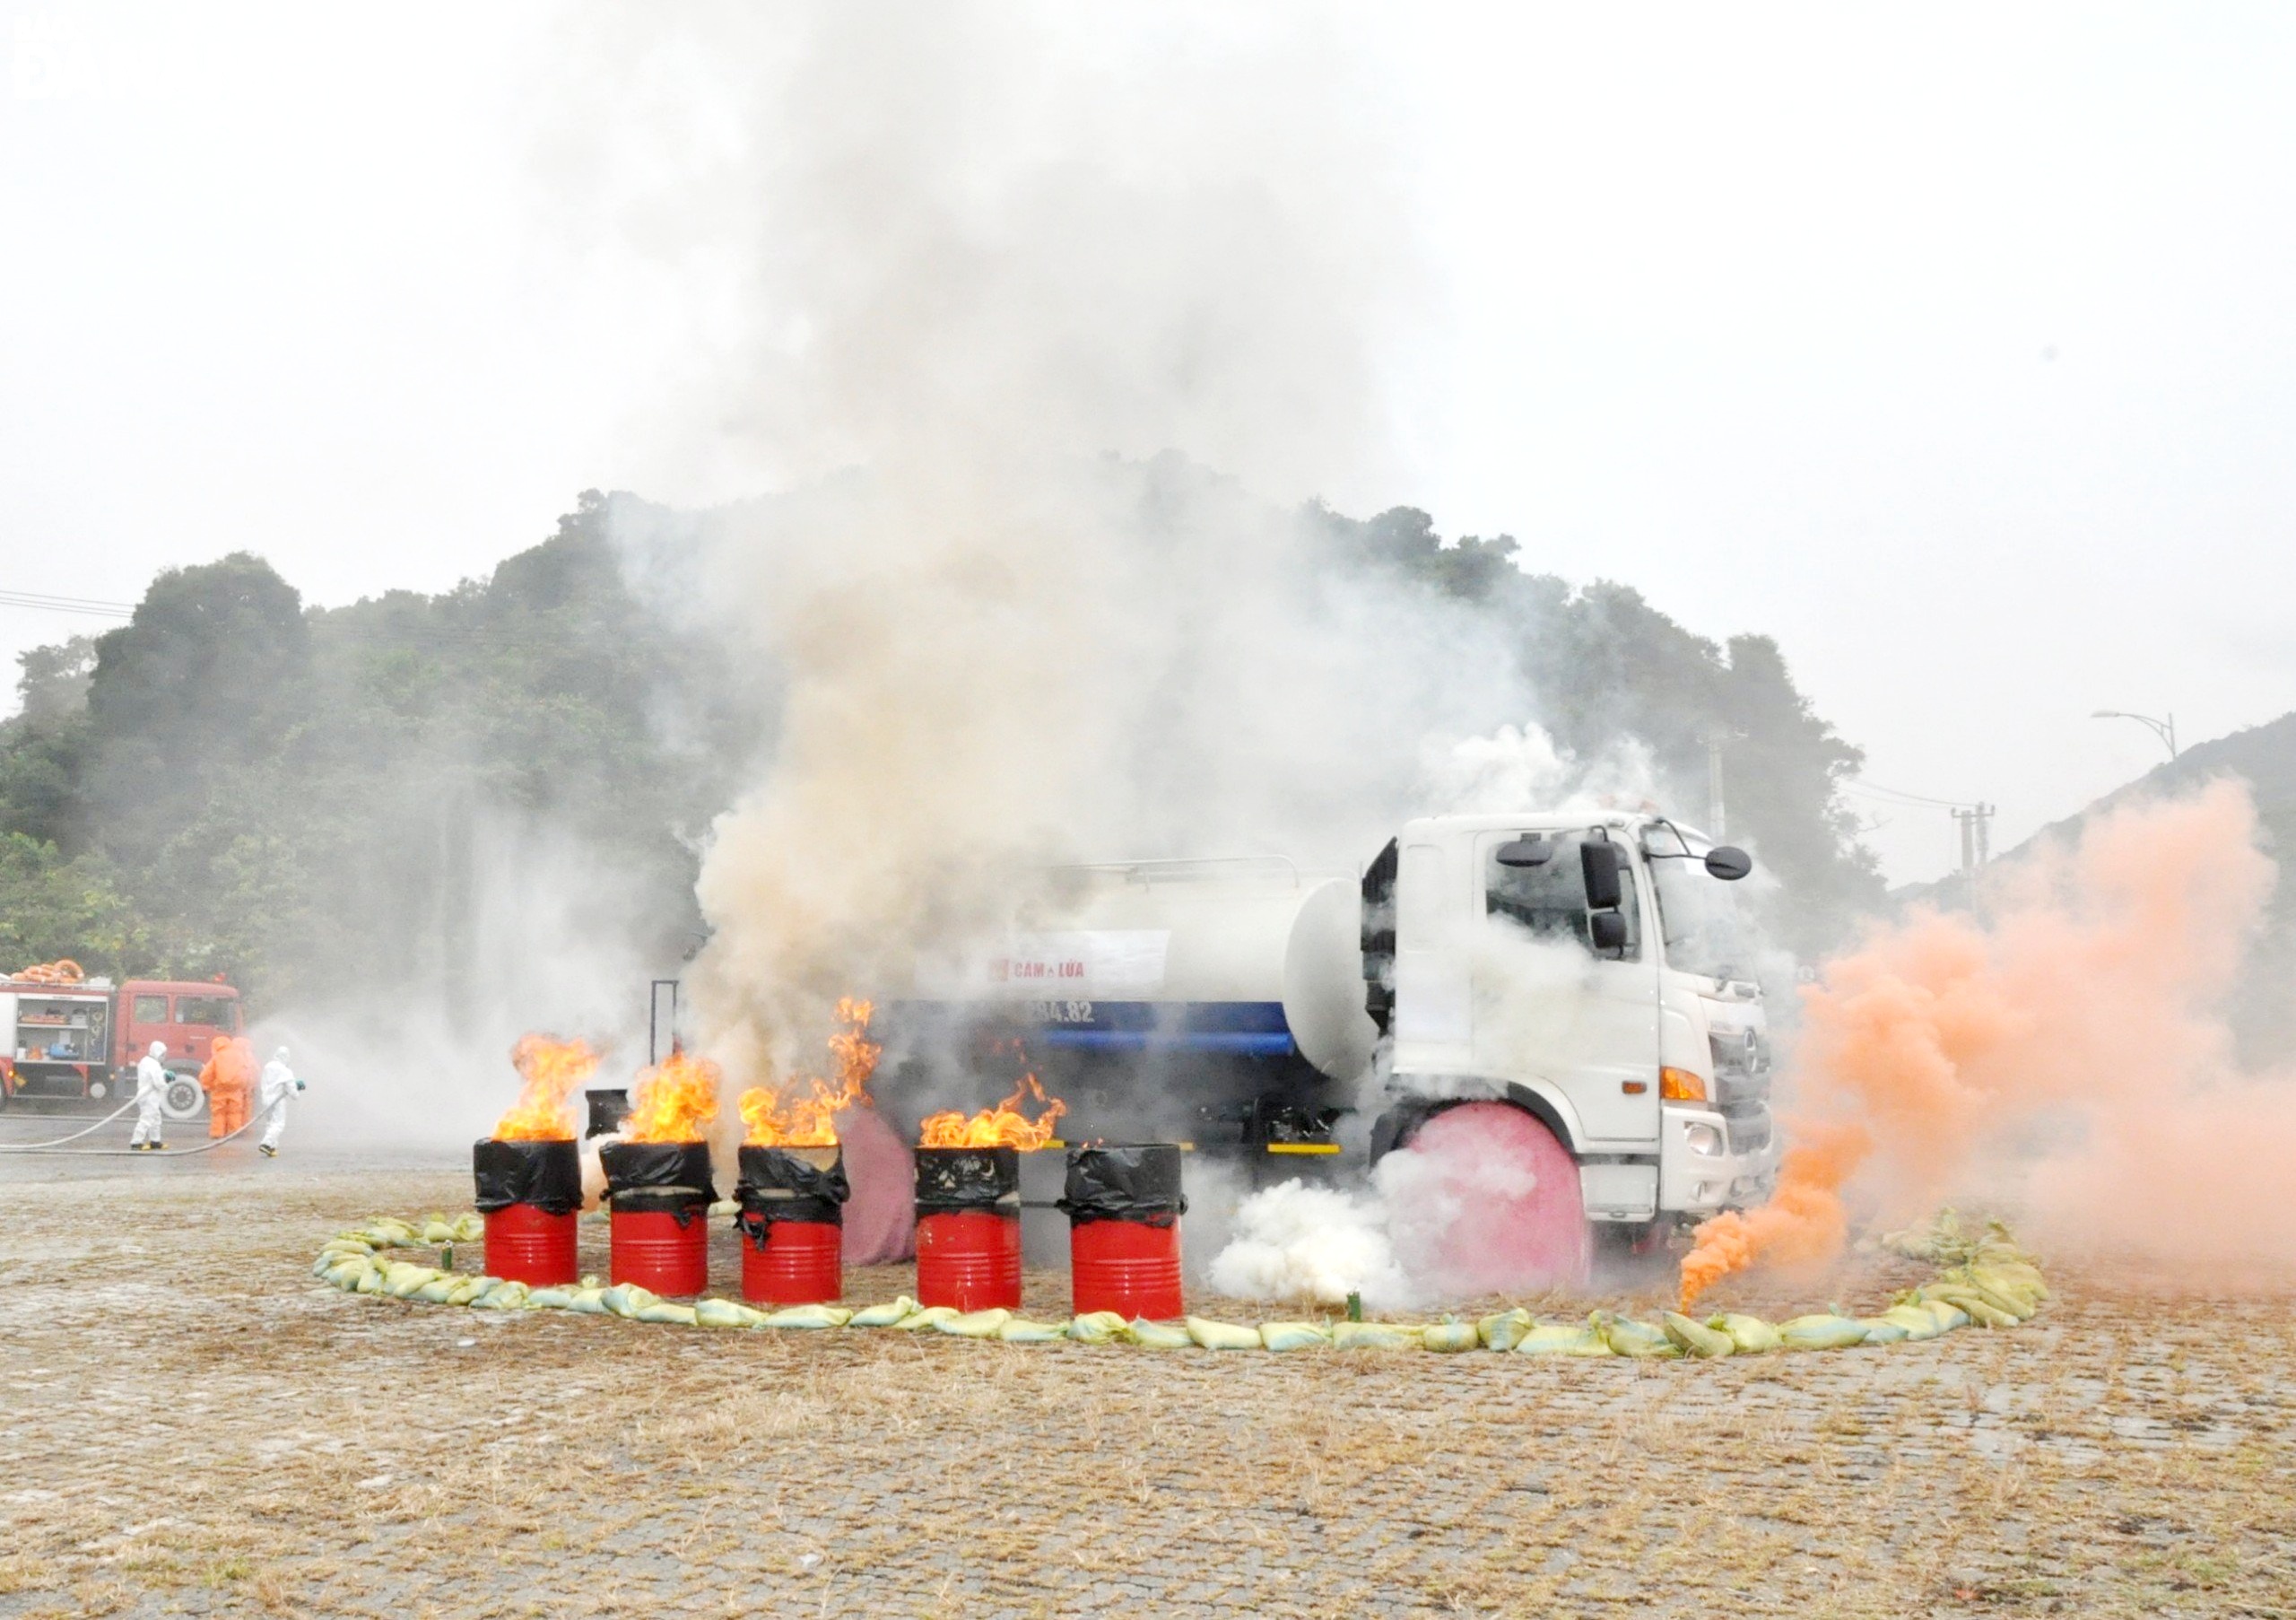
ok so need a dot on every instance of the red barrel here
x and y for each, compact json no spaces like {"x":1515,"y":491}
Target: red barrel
{"x":1123,"y":1204}
{"x":660,"y":1242}
{"x":1126,"y":1267}
{"x":528,"y":1245}
{"x":969,"y":1258}
{"x":793,"y":1263}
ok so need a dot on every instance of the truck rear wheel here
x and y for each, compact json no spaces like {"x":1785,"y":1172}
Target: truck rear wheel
{"x":1487,"y":1201}
{"x":181,"y":1098}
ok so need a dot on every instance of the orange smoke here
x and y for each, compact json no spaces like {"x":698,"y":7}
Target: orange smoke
{"x":674,"y":1101}
{"x":549,"y":1069}
{"x":772,"y":1117}
{"x":2072,"y":1043}
{"x":1803,"y":1224}
{"x":1003,"y":1126}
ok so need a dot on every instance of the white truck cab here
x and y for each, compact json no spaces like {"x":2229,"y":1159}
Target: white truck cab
{"x":1593,"y":971}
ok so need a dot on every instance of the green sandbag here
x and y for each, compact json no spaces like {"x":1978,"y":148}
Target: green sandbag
{"x":552,"y":1299}
{"x":1916,"y":1319}
{"x":468,"y":1289}
{"x":372,"y":1282}
{"x":1021,"y":1331}
{"x":1821,"y":1332}
{"x":1563,"y":1339}
{"x":1221,"y":1335}
{"x":1627,"y":1337}
{"x":1748,"y":1335}
{"x":437,"y":1233}
{"x":725,"y":1313}
{"x":1096,"y":1327}
{"x":1979,"y":1310}
{"x":1292,"y":1335}
{"x":930,"y":1317}
{"x":347,"y":1275}
{"x":975,"y":1324}
{"x":2002,"y":1296}
{"x":1450,"y":1337}
{"x":806,"y":1316}
{"x":662,"y":1310}
{"x":884,"y":1315}
{"x":435,"y":1291}
{"x":400,"y":1280}
{"x":1157,"y":1336}
{"x":1374,"y":1336}
{"x":1880,"y":1330}
{"x":628,"y":1299}
{"x":1696,"y":1338}
{"x":511,"y":1295}
{"x":469,"y":1228}
{"x":1947,"y":1317}
{"x":1504,"y":1329}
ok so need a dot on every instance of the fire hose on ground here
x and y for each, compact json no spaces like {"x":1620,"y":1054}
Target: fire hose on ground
{"x":1984,"y":1281}
{"x":57,"y":1148}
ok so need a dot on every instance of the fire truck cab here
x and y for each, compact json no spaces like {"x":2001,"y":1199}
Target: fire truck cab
{"x":80,"y":1041}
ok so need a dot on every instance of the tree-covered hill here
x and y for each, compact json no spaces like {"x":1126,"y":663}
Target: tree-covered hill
{"x":312,"y":800}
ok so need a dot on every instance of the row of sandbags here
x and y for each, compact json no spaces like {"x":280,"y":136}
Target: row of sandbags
{"x":1997,"y":1287}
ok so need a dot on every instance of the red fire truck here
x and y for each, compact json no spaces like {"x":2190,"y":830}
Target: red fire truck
{"x":77,"y":1040}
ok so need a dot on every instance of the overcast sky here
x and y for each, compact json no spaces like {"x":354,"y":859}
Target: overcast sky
{"x":1955,"y":351}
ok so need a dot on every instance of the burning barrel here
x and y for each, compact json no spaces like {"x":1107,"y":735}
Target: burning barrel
{"x":968,"y":1227}
{"x":660,"y":1198}
{"x":1124,"y":1205}
{"x":791,"y":1224}
{"x":528,"y":1191}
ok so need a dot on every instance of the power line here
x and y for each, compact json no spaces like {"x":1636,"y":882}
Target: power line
{"x":1896,"y":796}
{"x":87,"y":607}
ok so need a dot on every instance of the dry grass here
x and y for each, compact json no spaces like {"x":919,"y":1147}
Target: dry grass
{"x":193,"y":1425}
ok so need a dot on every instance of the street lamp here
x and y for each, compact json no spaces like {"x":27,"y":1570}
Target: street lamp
{"x":2165,"y":730}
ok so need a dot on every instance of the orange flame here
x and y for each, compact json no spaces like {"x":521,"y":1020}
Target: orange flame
{"x":1803,"y":1223}
{"x":675,"y":1102}
{"x":772,"y":1117}
{"x":549,"y":1069}
{"x":1003,"y":1126}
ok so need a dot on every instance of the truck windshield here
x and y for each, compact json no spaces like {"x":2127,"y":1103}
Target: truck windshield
{"x":1550,"y":900}
{"x":1697,"y":914}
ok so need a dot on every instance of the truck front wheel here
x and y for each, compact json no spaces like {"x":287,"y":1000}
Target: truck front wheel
{"x":1485,"y":1200}
{"x":182,"y":1098}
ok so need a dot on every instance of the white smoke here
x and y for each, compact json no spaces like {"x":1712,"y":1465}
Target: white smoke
{"x":1312,"y":1244}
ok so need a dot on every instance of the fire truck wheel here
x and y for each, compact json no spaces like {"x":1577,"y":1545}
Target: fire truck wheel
{"x":182,"y":1099}
{"x":1518,"y":1221}
{"x":98,"y":1090}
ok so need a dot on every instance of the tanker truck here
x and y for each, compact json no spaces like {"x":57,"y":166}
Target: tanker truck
{"x":1590,"y":974}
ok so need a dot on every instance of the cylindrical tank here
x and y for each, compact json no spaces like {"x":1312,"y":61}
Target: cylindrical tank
{"x":1124,"y":1205}
{"x":791,"y":1224}
{"x":528,"y":1193}
{"x":968,"y":1227}
{"x":1249,"y":957}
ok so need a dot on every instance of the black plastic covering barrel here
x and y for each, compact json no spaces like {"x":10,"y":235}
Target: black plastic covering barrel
{"x":1138,"y":1182}
{"x":547,"y":1175}
{"x":779,"y":1185}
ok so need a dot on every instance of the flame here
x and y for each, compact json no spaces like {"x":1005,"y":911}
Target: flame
{"x":675,"y":1102}
{"x":775,"y":1118}
{"x":1003,"y":1126}
{"x":549,"y":1069}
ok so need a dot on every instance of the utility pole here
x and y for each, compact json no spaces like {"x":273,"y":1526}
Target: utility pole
{"x":1717,"y":735}
{"x":1977,"y":839}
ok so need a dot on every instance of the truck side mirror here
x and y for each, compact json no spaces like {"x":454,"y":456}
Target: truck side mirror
{"x":1606,"y":932}
{"x":1728,"y":862}
{"x":1522,"y":853}
{"x":1598,"y":863}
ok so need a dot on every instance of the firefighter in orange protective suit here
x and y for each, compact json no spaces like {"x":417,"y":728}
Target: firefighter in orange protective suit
{"x":228,"y":1078}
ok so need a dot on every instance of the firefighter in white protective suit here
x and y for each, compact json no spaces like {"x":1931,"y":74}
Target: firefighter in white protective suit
{"x":279,"y":1083}
{"x":151,"y":1085}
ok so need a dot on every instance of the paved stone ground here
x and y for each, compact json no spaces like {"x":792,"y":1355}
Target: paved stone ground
{"x":192,"y":1425}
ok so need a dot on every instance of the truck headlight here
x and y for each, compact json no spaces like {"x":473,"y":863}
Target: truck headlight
{"x":1703,"y":1139}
